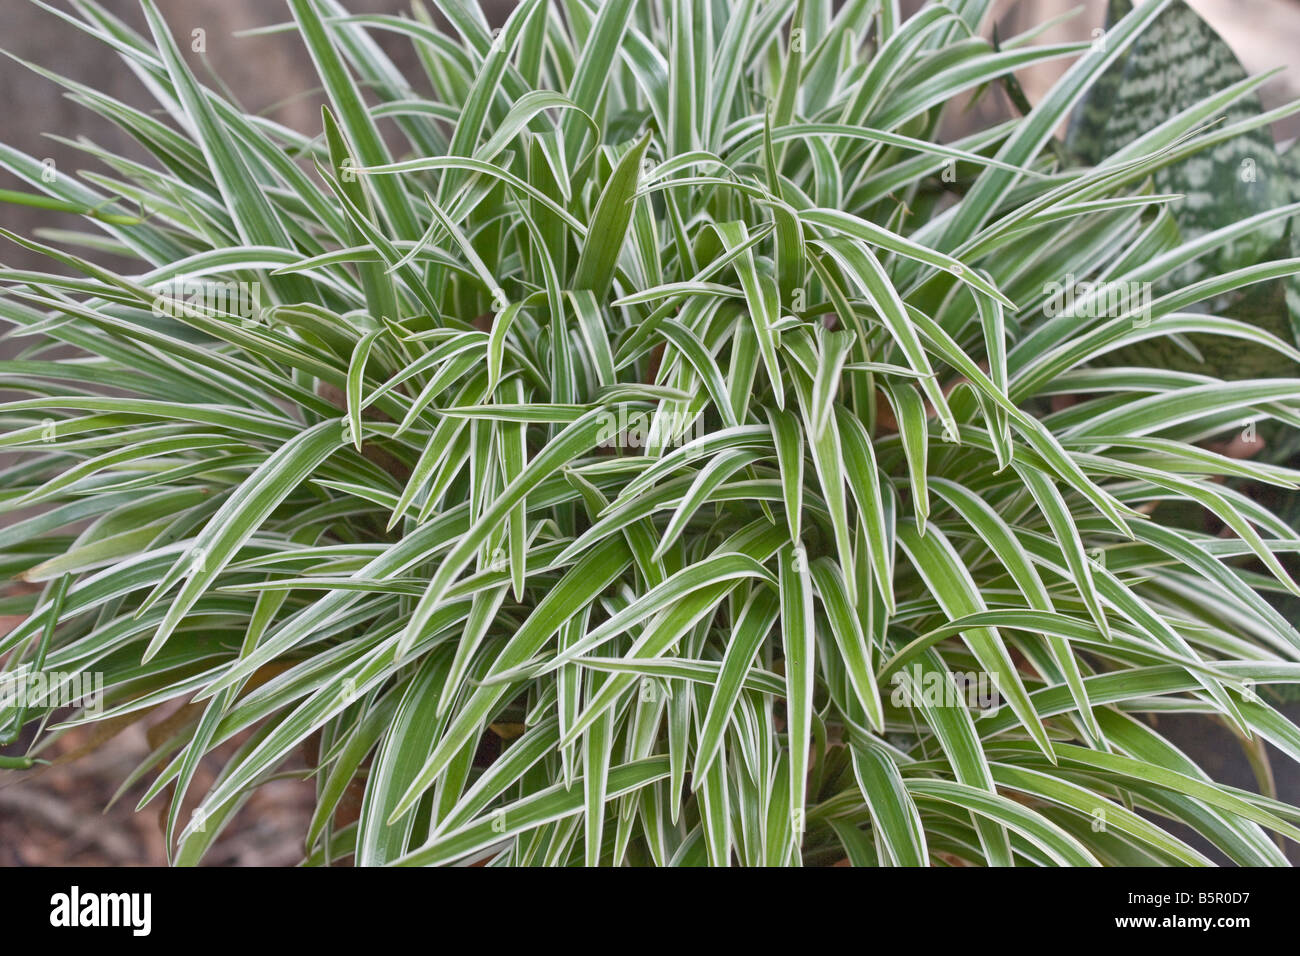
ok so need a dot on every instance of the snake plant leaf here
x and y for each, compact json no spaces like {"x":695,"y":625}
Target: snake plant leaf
{"x":1179,"y":61}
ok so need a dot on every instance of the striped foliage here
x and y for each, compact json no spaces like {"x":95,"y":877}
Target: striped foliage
{"x":625,"y":452}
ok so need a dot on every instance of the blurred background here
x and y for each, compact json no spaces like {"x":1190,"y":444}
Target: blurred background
{"x":57,"y":815}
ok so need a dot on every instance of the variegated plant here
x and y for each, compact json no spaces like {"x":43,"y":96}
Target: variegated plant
{"x":1174,"y":64}
{"x":634,"y":452}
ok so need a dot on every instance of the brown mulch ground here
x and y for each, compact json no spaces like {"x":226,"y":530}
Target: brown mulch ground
{"x":56,"y":816}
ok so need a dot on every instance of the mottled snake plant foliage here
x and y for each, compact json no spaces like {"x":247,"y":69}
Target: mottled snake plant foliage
{"x":638,"y":395}
{"x":1177,"y":62}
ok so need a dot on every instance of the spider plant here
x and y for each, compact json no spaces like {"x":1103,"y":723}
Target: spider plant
{"x":632,"y":448}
